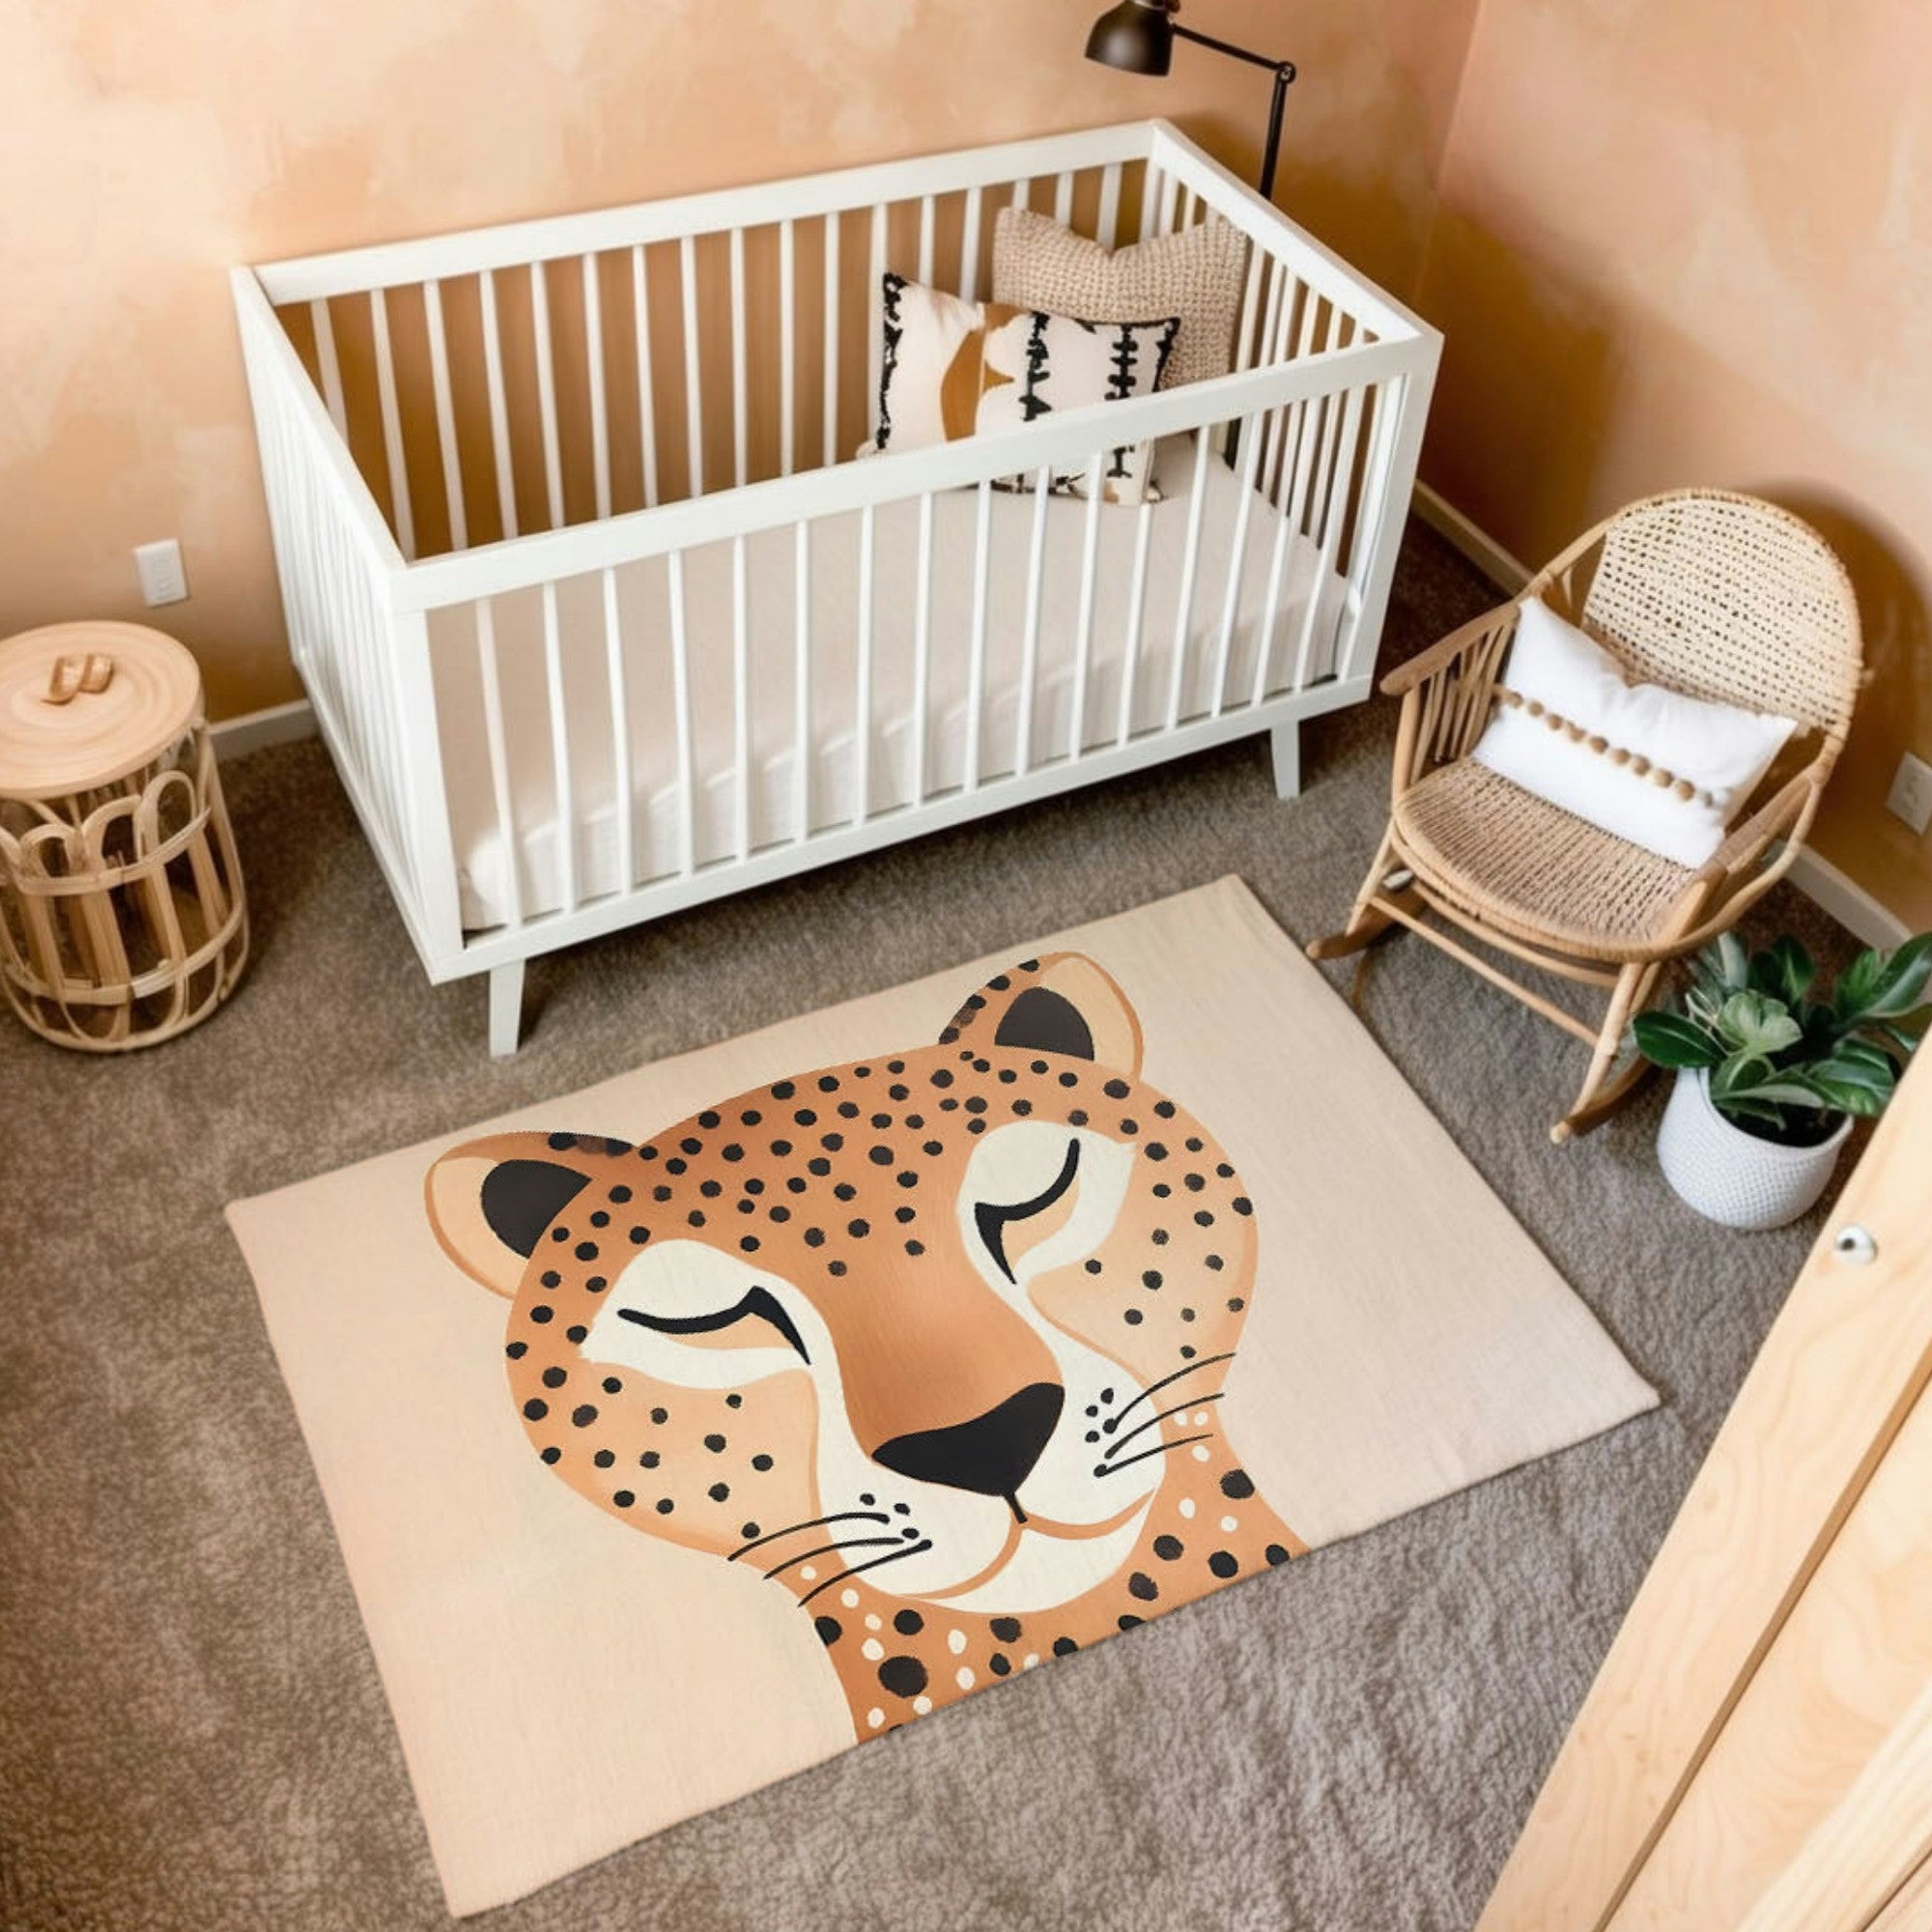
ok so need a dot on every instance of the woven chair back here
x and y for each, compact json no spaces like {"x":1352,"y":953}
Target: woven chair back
{"x":1726,"y":596}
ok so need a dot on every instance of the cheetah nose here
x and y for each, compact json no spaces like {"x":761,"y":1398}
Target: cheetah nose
{"x":992,"y":1455}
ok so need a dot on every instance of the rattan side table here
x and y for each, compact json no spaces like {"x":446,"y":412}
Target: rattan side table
{"x":123,"y":919}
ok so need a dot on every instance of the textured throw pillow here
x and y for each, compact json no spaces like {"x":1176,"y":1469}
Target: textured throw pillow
{"x":1196,"y":274}
{"x":1665,"y":771}
{"x":953,"y":368}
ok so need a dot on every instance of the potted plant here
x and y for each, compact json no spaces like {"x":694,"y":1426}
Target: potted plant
{"x":1770,"y":1076}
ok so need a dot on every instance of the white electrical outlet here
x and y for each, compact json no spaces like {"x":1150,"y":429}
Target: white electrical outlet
{"x":1911,"y":795}
{"x":163,"y":579}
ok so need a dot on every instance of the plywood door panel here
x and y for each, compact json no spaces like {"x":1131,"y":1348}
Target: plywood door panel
{"x":1872,"y":1847}
{"x":1842,"y":1367}
{"x":1815,"y":1791}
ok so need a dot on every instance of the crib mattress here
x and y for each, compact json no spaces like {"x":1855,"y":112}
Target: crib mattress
{"x":729,"y":815}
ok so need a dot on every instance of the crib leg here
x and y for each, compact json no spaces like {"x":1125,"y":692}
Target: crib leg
{"x":506,"y":1008}
{"x":1286,"y":740}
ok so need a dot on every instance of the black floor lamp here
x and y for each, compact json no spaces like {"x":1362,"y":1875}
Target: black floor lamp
{"x":1138,"y":36}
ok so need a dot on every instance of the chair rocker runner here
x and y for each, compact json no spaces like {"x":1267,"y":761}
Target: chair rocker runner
{"x":1711,"y":594}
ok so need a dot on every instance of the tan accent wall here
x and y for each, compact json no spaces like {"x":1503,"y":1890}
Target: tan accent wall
{"x":146,"y":149}
{"x":1687,"y":243}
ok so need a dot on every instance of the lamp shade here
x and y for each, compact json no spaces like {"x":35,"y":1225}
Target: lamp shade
{"x":1137,"y":36}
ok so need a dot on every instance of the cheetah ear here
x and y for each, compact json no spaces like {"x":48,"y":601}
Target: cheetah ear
{"x":1062,"y":1004}
{"x":490,"y":1202}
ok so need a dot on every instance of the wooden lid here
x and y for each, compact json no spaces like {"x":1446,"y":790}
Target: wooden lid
{"x":52,"y":751}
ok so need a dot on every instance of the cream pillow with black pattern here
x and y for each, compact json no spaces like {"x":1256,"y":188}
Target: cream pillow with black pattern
{"x":953,"y":368}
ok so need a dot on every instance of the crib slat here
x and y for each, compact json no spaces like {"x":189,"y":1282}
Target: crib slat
{"x":862,"y":694}
{"x":922,"y":649}
{"x":1043,"y":489}
{"x":647,"y":414}
{"x":975,"y":660}
{"x":926,"y":238}
{"x":328,"y":364}
{"x":968,"y":246}
{"x":1265,"y":645}
{"x":625,"y":802}
{"x":740,"y":429}
{"x":831,"y":425}
{"x":680,"y":686}
{"x":693,"y":392}
{"x":499,"y":415}
{"x":1183,"y":616}
{"x":392,"y":429}
{"x":875,"y":315}
{"x":1307,"y":421}
{"x":1083,"y":635}
{"x":1335,"y":493}
{"x":593,"y":351}
{"x":1259,"y":264}
{"x":802,"y":689}
{"x":787,"y":347}
{"x":446,"y":416}
{"x":547,"y":392}
{"x":741,"y":691}
{"x":1250,"y":448}
{"x":1108,"y":227}
{"x":1022,"y":195}
{"x":1130,"y":648}
{"x":1063,"y":197}
{"x":1150,"y":194}
{"x":1170,"y":195}
{"x":559,"y":751}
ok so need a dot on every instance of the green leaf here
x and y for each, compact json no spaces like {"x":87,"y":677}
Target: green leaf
{"x":1673,"y":1040}
{"x":1756,"y":1023}
{"x":1730,"y":965}
{"x":1885,"y":985}
{"x":1738,"y":1074}
{"x":1784,"y":971}
{"x":1752,"y":1110}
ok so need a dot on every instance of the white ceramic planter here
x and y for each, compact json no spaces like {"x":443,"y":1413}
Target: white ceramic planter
{"x":1733,"y":1176}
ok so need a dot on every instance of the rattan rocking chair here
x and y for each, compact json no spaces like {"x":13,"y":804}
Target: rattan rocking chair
{"x":1713,"y":594}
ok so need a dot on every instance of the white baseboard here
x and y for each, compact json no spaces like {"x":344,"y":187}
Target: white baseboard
{"x":1847,"y":901}
{"x":1818,"y":879}
{"x":255,"y":730}
{"x":1501,"y":566}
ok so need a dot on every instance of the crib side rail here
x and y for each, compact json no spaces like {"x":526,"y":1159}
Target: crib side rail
{"x":364,"y":665}
{"x":560,"y":238}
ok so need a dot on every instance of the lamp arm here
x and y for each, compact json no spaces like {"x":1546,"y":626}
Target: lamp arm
{"x":1284,"y":75}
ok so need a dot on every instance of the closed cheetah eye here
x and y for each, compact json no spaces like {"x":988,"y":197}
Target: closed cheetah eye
{"x":757,"y":1305}
{"x":991,"y":1217}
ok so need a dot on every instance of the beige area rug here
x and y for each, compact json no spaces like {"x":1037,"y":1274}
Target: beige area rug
{"x":684,"y":1430}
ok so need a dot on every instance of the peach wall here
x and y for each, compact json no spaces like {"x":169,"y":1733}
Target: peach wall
{"x":146,"y":149}
{"x":1693,"y":243}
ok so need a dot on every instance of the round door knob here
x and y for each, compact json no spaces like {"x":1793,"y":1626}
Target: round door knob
{"x":1855,"y":1245}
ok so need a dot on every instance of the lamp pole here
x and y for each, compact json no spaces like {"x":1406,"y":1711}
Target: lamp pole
{"x":1284,"y":77}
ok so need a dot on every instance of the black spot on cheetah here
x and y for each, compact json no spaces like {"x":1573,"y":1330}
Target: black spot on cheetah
{"x":762,"y":1463}
{"x":536,"y":1408}
{"x":1064,"y":1646}
{"x":1130,"y":1622}
{"x":583,"y":1414}
{"x":1006,"y":1628}
{"x":624,"y":1499}
{"x":542,"y":1313}
{"x":1276,"y":1555}
{"x":603,"y":1458}
{"x":1140,"y":1584}
{"x":908,"y":1623}
{"x":553,"y":1379}
{"x":1239,"y":1485}
{"x":903,"y":1676}
{"x":1168,"y":1548}
{"x":998,"y":1664}
{"x":552,"y":1454}
{"x":1223,"y":1564}
{"x":714,"y":1444}
{"x":829,"y":1629}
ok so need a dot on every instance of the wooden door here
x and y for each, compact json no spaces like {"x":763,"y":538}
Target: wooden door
{"x":1784,"y":1637}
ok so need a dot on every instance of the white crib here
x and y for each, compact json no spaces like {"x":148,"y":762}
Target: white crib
{"x":599,"y":620}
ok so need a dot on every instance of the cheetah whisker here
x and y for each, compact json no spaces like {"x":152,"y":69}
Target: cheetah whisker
{"x":1155,"y":1422}
{"x":1192,"y":1369}
{"x":831,"y":1549}
{"x":1114,"y":1469}
{"x":910,"y":1549}
{"x":814,"y":1523}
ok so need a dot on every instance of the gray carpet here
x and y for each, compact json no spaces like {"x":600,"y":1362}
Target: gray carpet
{"x":191,"y":1731}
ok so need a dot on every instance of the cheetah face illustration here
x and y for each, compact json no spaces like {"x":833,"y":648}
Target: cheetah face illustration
{"x":934,"y":1341}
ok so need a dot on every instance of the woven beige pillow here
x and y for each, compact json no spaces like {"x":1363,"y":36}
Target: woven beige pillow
{"x":1196,"y":275}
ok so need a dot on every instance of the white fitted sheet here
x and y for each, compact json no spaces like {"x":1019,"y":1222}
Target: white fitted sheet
{"x":589,"y":802}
